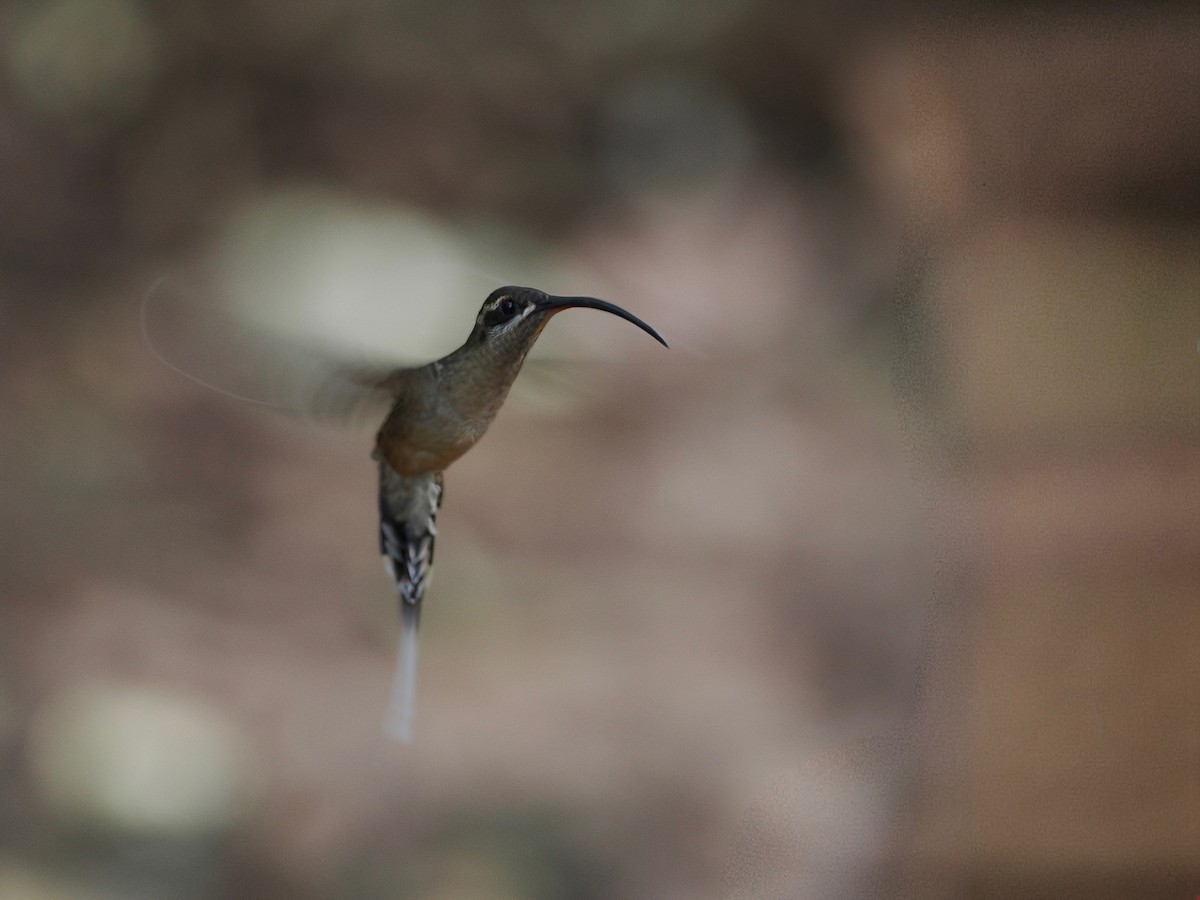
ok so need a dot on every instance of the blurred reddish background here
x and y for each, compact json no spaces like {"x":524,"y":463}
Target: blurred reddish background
{"x":882,"y":581}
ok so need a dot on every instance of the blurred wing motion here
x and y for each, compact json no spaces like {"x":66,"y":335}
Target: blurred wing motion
{"x":218,"y":351}
{"x":408,"y":508}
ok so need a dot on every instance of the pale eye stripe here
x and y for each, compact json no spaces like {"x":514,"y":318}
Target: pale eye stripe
{"x":526,"y":310}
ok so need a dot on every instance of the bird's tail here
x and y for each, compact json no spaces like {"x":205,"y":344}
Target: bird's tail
{"x":407,"y":527}
{"x":399,"y":722}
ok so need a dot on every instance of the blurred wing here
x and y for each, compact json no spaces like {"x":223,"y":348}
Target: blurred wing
{"x":218,"y":351}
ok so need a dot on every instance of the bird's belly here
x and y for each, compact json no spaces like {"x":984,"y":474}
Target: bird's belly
{"x":408,"y":460}
{"x":418,"y":449}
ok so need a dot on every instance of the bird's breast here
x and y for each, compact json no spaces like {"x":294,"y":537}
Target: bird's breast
{"x":419,"y":438}
{"x":441,"y":410}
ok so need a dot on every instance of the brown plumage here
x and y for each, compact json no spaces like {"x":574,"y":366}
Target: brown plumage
{"x":438,"y":413}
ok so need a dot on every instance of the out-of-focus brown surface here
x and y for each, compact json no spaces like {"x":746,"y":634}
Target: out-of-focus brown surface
{"x":882,"y":581}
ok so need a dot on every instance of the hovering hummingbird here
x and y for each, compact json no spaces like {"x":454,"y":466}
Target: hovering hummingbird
{"x":437,"y":412}
{"x":440,"y":411}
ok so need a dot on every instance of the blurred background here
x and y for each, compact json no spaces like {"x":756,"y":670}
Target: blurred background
{"x":882,"y":581}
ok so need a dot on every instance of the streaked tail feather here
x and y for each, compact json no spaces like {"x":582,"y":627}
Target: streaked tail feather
{"x":408,"y":509}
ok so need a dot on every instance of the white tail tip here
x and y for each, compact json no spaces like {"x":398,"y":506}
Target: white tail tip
{"x":399,"y":721}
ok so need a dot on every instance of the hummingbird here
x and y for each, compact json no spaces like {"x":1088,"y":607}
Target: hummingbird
{"x":436,"y":413}
{"x":439,"y":411}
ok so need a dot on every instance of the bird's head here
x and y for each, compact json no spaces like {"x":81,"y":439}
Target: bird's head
{"x":512,"y":317}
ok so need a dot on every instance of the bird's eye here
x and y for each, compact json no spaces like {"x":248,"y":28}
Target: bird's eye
{"x":502,"y":312}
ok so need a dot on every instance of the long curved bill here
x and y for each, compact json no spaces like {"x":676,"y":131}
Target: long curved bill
{"x":553,"y":304}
